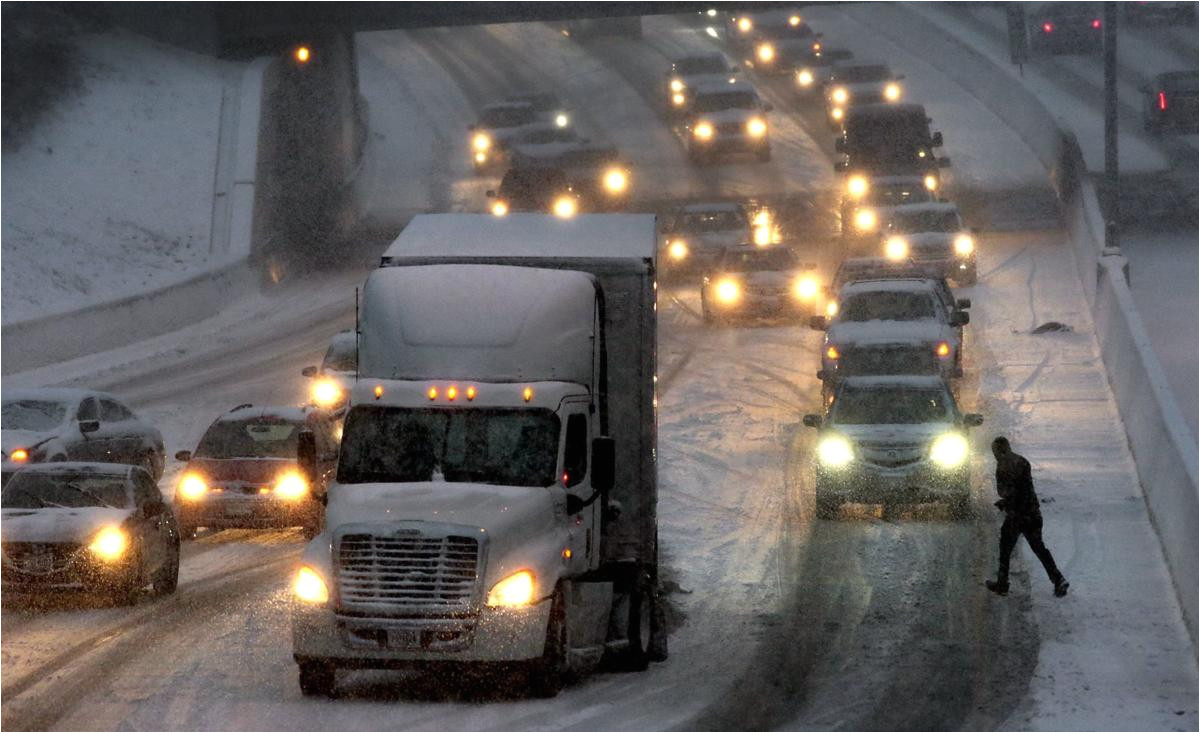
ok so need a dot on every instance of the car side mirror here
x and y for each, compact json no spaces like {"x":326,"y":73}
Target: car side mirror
{"x":936,"y":139}
{"x":768,"y":107}
{"x":306,"y":454}
{"x":604,"y":464}
{"x":818,"y":323}
{"x":812,"y":421}
{"x":183,"y":455}
{"x":89,"y":426}
{"x":840,"y":144}
{"x":309,"y":371}
{"x":490,"y":194}
{"x":822,"y":374}
{"x":972,"y":419}
{"x":960,"y":318}
{"x":841,"y":166}
{"x":962,"y":303}
{"x":943,"y":162}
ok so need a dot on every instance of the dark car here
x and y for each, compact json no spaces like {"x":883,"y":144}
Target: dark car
{"x":333,"y":380}
{"x":52,"y":424}
{"x":1169,"y":102}
{"x":890,"y":140}
{"x":753,"y":280}
{"x":534,"y":188}
{"x":246,"y":471}
{"x":596,"y":175}
{"x":1056,"y":28}
{"x":87,"y":526}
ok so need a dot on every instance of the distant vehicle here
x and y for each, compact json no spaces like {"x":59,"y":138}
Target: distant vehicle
{"x":545,"y":139}
{"x":867,"y":202}
{"x":934,"y":236}
{"x":87,"y":526}
{"x":596,"y":175}
{"x":534,"y":188}
{"x":498,"y":125}
{"x":1141,"y":12}
{"x":689,"y":72}
{"x":747,"y":30}
{"x":893,"y":440}
{"x":890,"y":140}
{"x":334,"y":379}
{"x":725,"y":118}
{"x":1066,"y":27}
{"x":813,"y":69}
{"x":696,"y":235}
{"x":855,"y":269}
{"x":763,"y":281}
{"x":58,"y":424}
{"x":246,"y":471}
{"x":549,"y":108}
{"x":1169,"y":102}
{"x":885,"y":327}
{"x":856,"y":83}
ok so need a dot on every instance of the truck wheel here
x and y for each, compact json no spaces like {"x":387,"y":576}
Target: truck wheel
{"x":317,"y":679}
{"x":548,"y":675}
{"x":639,"y":625}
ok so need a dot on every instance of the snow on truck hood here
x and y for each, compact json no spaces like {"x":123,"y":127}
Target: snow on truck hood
{"x":55,"y":524}
{"x":887,"y":332}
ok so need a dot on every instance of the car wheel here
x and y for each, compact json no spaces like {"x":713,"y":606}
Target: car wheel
{"x":548,"y":674}
{"x":129,"y":591}
{"x":317,"y":679}
{"x":167,"y":579}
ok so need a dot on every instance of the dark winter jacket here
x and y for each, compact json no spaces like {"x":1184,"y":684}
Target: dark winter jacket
{"x":1014,"y":484}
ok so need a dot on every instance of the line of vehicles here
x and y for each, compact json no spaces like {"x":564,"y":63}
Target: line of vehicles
{"x":475,"y":466}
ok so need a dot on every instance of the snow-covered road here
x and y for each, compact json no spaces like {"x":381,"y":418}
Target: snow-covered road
{"x":780,"y":620}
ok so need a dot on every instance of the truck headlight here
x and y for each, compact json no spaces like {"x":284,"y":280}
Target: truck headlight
{"x":757,"y":127}
{"x":804,"y":78}
{"x":20,"y":455}
{"x":865,"y":220}
{"x":931,"y":182}
{"x":616,"y":181}
{"x":703,"y":131}
{"x":291,"y":486}
{"x":565,"y":207}
{"x":326,"y":392}
{"x":892,"y":92}
{"x":515,"y":590}
{"x":309,"y":586}
{"x":964,"y":244}
{"x":192,"y":487}
{"x":109,"y":544}
{"x":949,"y":450}
{"x":805,"y":287}
{"x":481,"y":142}
{"x":766,"y":53}
{"x":840,"y":95}
{"x":561,"y":119}
{"x":677,"y":85}
{"x":896,"y":249}
{"x":834,"y":451}
{"x":677,"y":250}
{"x":728,"y":291}
{"x":831,"y":309}
{"x":744,"y":25}
{"x":857,"y":186}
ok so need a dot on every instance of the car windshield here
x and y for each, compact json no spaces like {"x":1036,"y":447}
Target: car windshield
{"x":890,"y":405}
{"x":586,"y":158}
{"x":758,"y":260}
{"x":527,"y":184}
{"x":549,"y":135}
{"x":505,"y":447}
{"x":719,"y":221}
{"x":862,"y":74}
{"x":887,"y":305}
{"x":900,"y":193}
{"x":254,"y":438}
{"x":342,"y":356}
{"x":701,"y":65}
{"x":35,"y":490}
{"x":32,"y":414}
{"x":725,"y":100}
{"x":926,"y":221}
{"x":507,"y":116}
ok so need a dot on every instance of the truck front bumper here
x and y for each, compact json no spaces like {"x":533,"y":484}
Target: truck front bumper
{"x":492,"y":635}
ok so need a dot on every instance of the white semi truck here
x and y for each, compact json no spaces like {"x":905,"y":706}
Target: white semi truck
{"x":495,"y":498}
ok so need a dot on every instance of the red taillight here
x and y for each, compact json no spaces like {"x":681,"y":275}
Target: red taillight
{"x":1095,"y":22}
{"x":1162,"y":101}
{"x":1048,"y":27}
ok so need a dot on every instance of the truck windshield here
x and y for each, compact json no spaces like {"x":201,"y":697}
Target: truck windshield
{"x":504,"y":447}
{"x":892,"y":405}
{"x":887,"y":306}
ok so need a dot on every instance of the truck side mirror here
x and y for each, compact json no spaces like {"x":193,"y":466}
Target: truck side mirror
{"x":183,"y":455}
{"x":306,"y":455}
{"x":812,"y":421}
{"x":840,"y":144}
{"x":841,"y":166}
{"x":89,"y":426}
{"x":604,"y":464}
{"x":936,"y":139}
{"x":962,"y":303}
{"x":960,"y":318}
{"x":308,"y":371}
{"x":818,"y":323}
{"x":972,"y":419}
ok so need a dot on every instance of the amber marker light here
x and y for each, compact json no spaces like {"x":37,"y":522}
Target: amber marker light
{"x":831,"y":353}
{"x":527,"y":393}
{"x":471,"y":393}
{"x":20,"y":455}
{"x":378,"y":391}
{"x":302,"y":54}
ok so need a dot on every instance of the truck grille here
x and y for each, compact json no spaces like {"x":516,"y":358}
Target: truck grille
{"x":406,"y":573}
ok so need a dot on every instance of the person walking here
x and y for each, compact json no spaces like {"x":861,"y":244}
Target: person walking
{"x":1022,"y":516}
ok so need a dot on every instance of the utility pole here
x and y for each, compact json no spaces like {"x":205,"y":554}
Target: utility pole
{"x":1111,"y":162}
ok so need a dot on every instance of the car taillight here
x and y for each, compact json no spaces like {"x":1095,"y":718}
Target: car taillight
{"x":1095,"y":22}
{"x":1162,"y":101}
{"x":1048,"y":27}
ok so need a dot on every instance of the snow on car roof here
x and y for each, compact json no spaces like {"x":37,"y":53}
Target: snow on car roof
{"x":897,"y":285}
{"x":61,"y":467}
{"x":53,"y":394}
{"x":604,"y":236}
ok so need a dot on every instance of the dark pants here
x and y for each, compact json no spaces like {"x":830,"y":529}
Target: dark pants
{"x":1031,"y":527}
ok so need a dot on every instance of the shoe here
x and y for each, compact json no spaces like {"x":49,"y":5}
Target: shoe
{"x":995,"y":586}
{"x":1060,"y":588}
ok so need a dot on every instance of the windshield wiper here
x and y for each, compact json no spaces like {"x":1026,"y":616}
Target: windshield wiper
{"x":41,"y":502}
{"x":88,"y":494}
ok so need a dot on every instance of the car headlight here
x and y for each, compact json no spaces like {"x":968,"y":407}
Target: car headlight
{"x":756,"y":126}
{"x":327,"y":392}
{"x":931,"y":182}
{"x":964,"y":244}
{"x":704,"y":130}
{"x":309,"y":586}
{"x":804,"y":78}
{"x":805,"y":287}
{"x":480,"y":157}
{"x":865,"y":220}
{"x":837,"y":113}
{"x":109,"y":544}
{"x":677,"y":250}
{"x":481,"y":142}
{"x":834,"y":451}
{"x":561,"y":119}
{"x":565,"y":207}
{"x":949,"y":450}
{"x":678,"y":99}
{"x":766,"y":53}
{"x":762,"y":235}
{"x":896,"y":249}
{"x":831,"y":309}
{"x":192,"y":487}
{"x":840,"y":95}
{"x":744,"y":25}
{"x":794,"y":21}
{"x":677,"y":85}
{"x":857,"y":186}
{"x":616,"y":181}
{"x":20,"y":455}
{"x":515,"y":590}
{"x":728,"y":291}
{"x":892,"y":92}
{"x":499,"y":208}
{"x":291,"y":486}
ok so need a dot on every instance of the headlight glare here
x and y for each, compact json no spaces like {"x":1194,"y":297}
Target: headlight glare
{"x":804,"y":78}
{"x":109,"y":544}
{"x":192,"y":487}
{"x":949,"y":450}
{"x":766,"y":53}
{"x":840,"y":95}
{"x":481,"y":142}
{"x":756,"y":126}
{"x":964,"y":244}
{"x":565,"y":207}
{"x":865,"y":220}
{"x":892,"y":92}
{"x":515,"y":590}
{"x":896,"y":249}
{"x":309,"y":586}
{"x":677,"y":250}
{"x":703,"y":131}
{"x":728,"y":291}
{"x":805,"y":287}
{"x":858,"y":186}
{"x":616,"y":180}
{"x":677,"y":85}
{"x":931,"y":182}
{"x":291,"y":486}
{"x":834,"y":451}
{"x":327,"y":392}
